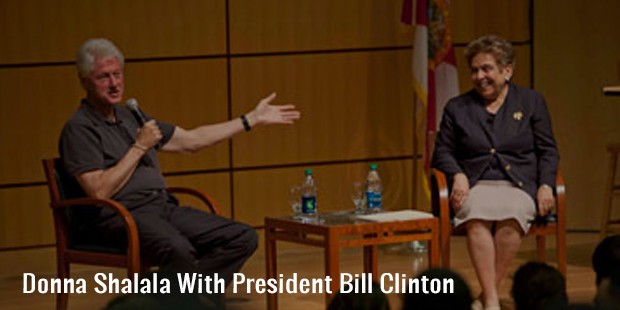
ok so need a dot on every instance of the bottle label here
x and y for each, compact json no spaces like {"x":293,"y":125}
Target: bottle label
{"x":373,"y":200}
{"x":308,"y":205}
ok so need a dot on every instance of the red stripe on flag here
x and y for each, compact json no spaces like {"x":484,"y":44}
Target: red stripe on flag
{"x":435,"y":74}
{"x":421,"y":15}
{"x":431,"y":123}
{"x":405,"y":13}
{"x":450,"y":58}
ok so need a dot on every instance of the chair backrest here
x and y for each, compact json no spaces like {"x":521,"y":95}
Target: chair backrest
{"x":59,"y":183}
{"x":431,"y":136}
{"x":436,"y":192}
{"x":439,"y":192}
{"x":63,"y":186}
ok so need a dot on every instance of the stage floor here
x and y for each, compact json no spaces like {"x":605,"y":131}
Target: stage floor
{"x":308,"y":262}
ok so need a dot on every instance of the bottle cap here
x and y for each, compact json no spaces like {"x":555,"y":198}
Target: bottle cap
{"x":308,"y":171}
{"x":373,"y":166}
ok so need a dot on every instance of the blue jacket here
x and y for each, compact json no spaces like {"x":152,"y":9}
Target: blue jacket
{"x":521,"y":140}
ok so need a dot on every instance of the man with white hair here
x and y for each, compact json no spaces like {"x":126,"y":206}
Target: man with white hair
{"x":113,"y":156}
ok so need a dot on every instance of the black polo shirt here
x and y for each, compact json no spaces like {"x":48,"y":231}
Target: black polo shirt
{"x":90,"y":142}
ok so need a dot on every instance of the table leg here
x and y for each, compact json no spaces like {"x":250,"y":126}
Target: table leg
{"x":272,"y":264}
{"x":332,"y":265}
{"x":433,"y":252}
{"x":370,"y":261}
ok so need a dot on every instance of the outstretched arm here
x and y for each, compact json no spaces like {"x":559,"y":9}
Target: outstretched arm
{"x":200,"y":137}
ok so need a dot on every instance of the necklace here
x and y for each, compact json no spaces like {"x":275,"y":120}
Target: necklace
{"x":494,"y":106}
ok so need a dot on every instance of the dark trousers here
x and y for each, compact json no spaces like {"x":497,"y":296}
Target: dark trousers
{"x":184,"y":239}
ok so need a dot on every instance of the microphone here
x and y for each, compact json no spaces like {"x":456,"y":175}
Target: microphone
{"x":132,"y":104}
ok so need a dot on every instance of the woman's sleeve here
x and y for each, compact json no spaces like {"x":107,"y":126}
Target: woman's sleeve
{"x":544,"y":143}
{"x":444,"y":154}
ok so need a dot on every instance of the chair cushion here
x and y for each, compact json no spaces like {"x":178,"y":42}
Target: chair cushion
{"x":84,"y":240}
{"x":99,"y":248}
{"x":547,"y":219}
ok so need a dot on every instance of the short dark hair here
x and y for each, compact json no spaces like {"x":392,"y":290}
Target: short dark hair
{"x":537,"y":285}
{"x":606,"y":257}
{"x":608,"y":292}
{"x":498,"y":47}
{"x":377,"y":300}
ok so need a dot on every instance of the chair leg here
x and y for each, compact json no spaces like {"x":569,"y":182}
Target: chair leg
{"x":611,"y":174}
{"x":64,"y":270}
{"x":135,"y":268}
{"x":144,"y":268}
{"x":560,"y":238}
{"x":134,"y":265}
{"x":222,"y":301}
{"x":561,"y":249}
{"x":541,"y":254}
{"x":445,"y":248}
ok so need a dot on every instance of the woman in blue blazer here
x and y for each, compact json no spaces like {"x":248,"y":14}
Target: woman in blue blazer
{"x":497,"y":148}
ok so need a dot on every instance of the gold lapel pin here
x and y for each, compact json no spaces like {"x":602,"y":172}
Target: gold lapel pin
{"x":517,"y":115}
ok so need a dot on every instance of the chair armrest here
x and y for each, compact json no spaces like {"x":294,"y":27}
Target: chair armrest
{"x":200,"y":194}
{"x":441,"y":203}
{"x":560,"y":196}
{"x":439,"y":190}
{"x":133,"y":243}
{"x":109,"y":203}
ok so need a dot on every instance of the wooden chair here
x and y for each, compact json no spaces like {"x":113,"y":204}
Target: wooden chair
{"x":541,"y":228}
{"x":66,"y":196}
{"x":611,"y":224}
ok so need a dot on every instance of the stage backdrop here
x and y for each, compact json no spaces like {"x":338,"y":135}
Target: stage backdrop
{"x":345,"y":64}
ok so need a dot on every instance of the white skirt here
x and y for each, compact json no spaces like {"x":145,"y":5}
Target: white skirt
{"x":497,"y":201}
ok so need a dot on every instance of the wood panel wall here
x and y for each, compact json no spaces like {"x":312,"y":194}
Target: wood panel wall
{"x":345,"y":64}
{"x":577,"y":53}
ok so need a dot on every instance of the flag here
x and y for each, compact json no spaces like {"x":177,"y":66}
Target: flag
{"x":435,"y":76}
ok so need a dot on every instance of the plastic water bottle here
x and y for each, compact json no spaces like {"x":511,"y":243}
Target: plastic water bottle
{"x":308,"y":196}
{"x":374,"y":189}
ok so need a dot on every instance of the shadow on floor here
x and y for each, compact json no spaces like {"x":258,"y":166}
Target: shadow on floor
{"x":578,"y":254}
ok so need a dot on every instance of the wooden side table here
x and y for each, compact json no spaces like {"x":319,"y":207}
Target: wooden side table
{"x":340,"y":229}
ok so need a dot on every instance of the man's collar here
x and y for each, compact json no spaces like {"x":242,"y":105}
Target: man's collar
{"x":97,"y":116}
